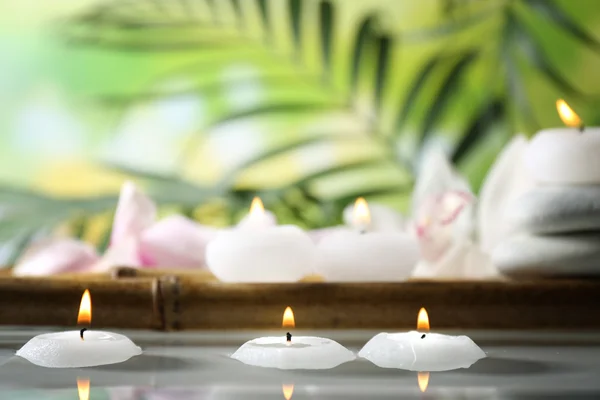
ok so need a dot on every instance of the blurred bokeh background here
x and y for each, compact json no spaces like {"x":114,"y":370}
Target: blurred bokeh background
{"x":308,"y":103}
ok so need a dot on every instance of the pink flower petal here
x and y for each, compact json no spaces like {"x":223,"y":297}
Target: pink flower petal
{"x":56,"y":256}
{"x":175,"y":241}
{"x":421,"y":230}
{"x":436,"y":175}
{"x":436,"y":224}
{"x":125,"y":252}
{"x":434,"y":243}
{"x":135,"y":212}
{"x":442,"y":206}
{"x":452,"y":203}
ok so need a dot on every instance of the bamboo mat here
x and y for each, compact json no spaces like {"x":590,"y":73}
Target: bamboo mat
{"x":194,"y":300}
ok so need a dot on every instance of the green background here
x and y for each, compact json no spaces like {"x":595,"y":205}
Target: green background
{"x":206,"y":103}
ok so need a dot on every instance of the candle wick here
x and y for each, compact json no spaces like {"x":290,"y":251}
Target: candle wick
{"x":581,"y":128}
{"x":423,"y":337}
{"x":288,"y":337}
{"x":81,"y":332}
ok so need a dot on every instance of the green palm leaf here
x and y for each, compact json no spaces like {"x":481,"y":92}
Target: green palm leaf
{"x":316,"y":95}
{"x":368,"y":86}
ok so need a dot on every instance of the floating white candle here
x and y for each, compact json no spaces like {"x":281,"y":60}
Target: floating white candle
{"x":304,"y":352}
{"x":421,"y":351}
{"x":255,"y":251}
{"x":74,"y":349}
{"x":360,"y":255}
{"x":565,"y":155}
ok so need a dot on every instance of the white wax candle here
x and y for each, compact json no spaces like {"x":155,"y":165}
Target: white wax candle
{"x":303,"y":352}
{"x":277,"y":254}
{"x":258,"y":251}
{"x":419,"y":351}
{"x":382,"y":218}
{"x":67,"y":350}
{"x":348,"y":255}
{"x":565,"y":156}
{"x":260,"y":219}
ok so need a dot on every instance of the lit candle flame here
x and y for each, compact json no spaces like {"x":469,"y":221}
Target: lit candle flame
{"x":85,"y":309}
{"x":423,"y":320}
{"x":423,"y":380}
{"x":288,"y":318}
{"x":83,"y":388}
{"x":257,"y":207}
{"x":568,"y":116}
{"x":288,"y":390}
{"x":361,"y":216}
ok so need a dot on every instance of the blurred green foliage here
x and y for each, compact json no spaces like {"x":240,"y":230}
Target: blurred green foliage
{"x":308,"y":103}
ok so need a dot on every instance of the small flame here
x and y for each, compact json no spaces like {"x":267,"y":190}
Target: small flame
{"x":83,"y":388}
{"x":568,"y":116}
{"x":85,"y":309}
{"x":423,"y":379}
{"x":423,"y":320}
{"x":361,"y":215}
{"x":288,"y":318}
{"x":288,"y":390}
{"x":257,"y":208}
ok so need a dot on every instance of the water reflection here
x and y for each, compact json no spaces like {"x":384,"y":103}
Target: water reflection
{"x":288,"y":390}
{"x":299,"y":392}
{"x":207,"y":373}
{"x":83,"y":388}
{"x":348,"y":392}
{"x":138,"y":393}
{"x":423,"y":380}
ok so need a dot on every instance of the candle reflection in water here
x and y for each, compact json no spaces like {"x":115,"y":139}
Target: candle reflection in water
{"x":288,"y":390}
{"x":423,"y":380}
{"x":83,"y":388}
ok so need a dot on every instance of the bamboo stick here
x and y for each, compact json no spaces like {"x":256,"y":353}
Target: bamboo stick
{"x":171,"y":302}
{"x":129,"y":303}
{"x":472,"y":305}
{"x":199,"y":275}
